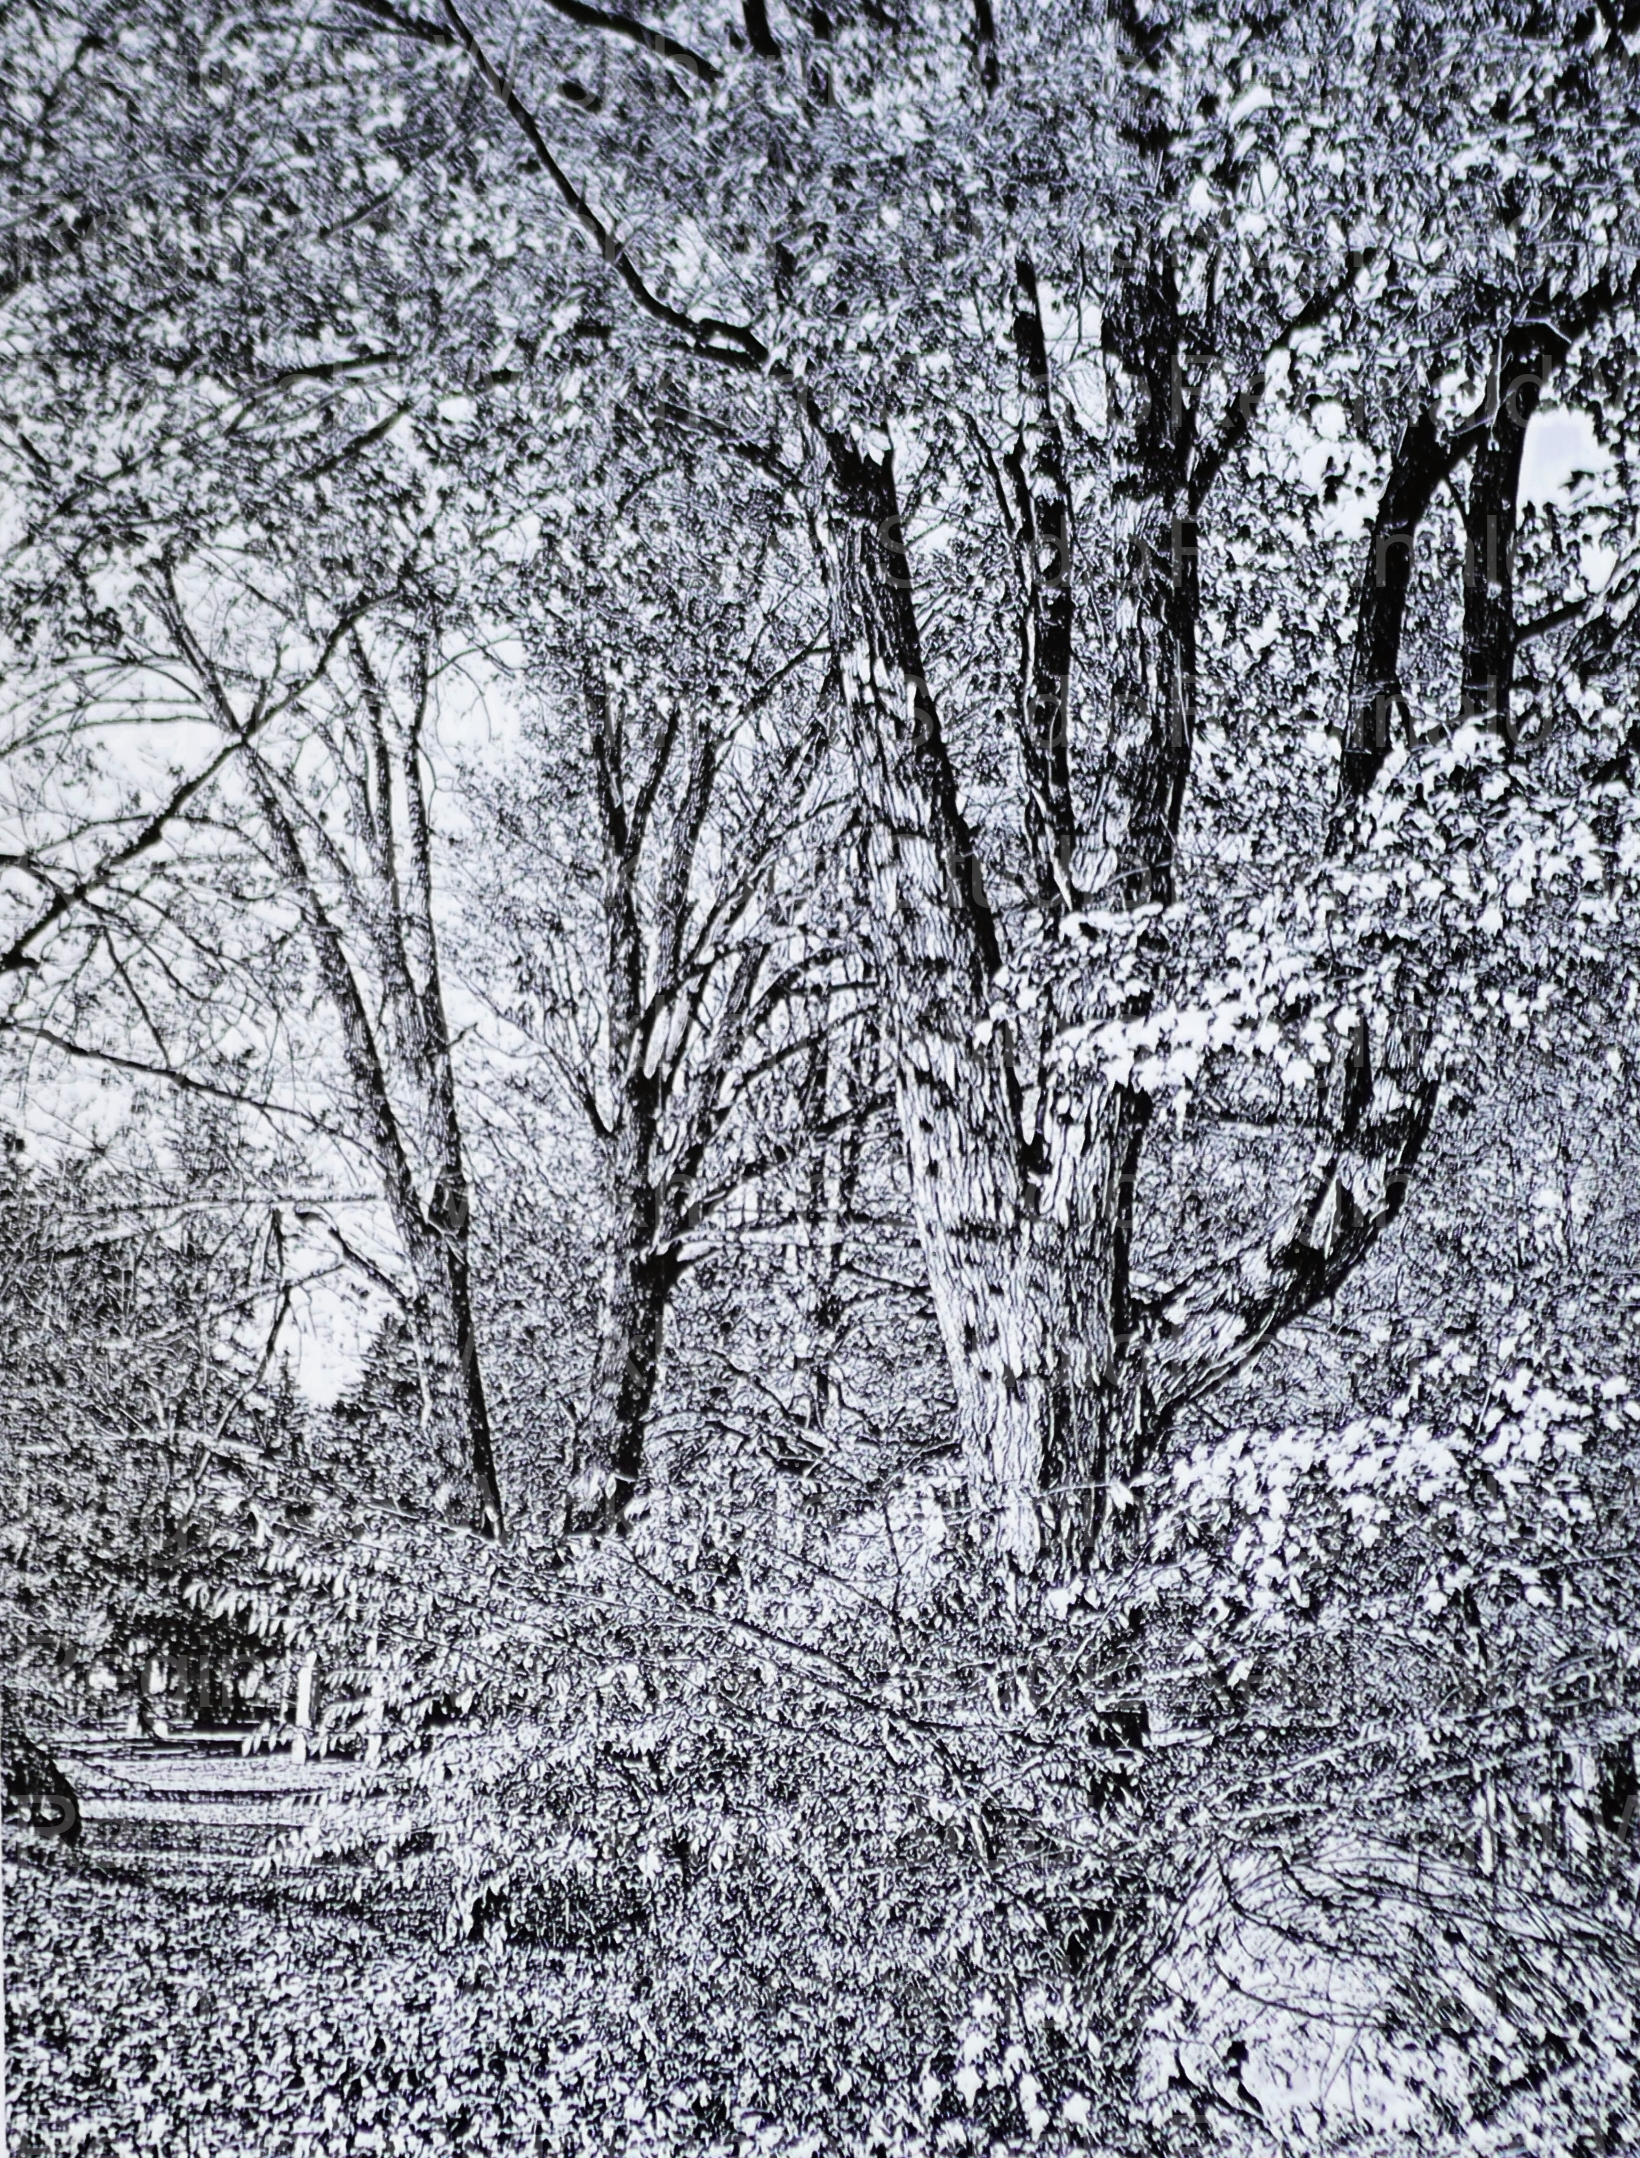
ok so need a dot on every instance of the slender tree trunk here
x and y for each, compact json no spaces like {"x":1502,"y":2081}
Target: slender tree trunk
{"x":412,"y":951}
{"x":1420,"y":462}
{"x":394,"y":1038}
{"x":1044,"y":534}
{"x":1149,"y":720}
{"x":453,"y":1301}
{"x":640,"y":1275}
{"x":1527,"y":356}
{"x":827,"y":1195}
{"x":642,"y":1267}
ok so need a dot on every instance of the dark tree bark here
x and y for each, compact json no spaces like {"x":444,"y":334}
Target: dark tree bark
{"x":1422,"y":460}
{"x":1528,"y":355}
{"x":1044,"y":549}
{"x":1151,"y":717}
{"x":1024,"y":1198}
{"x":642,"y":1267}
{"x":1495,"y":437}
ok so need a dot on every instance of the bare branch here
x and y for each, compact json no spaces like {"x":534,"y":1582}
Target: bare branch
{"x":575,"y":11}
{"x":18,"y":957}
{"x":184,"y":1082}
{"x":1208,"y":463}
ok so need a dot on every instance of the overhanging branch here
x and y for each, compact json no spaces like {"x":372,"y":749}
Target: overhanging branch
{"x":732,"y":344}
{"x":575,"y":11}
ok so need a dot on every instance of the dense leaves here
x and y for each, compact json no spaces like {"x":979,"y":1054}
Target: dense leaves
{"x":899,"y":743}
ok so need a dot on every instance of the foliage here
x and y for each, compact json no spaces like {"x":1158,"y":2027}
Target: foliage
{"x":1012,"y":847}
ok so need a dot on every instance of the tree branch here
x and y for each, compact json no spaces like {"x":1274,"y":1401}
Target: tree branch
{"x":730,"y":343}
{"x":1210,"y":1325}
{"x":575,"y":11}
{"x":1530,"y":350}
{"x":1207,"y":465}
{"x":1421,"y":462}
{"x":184,"y":1082}
{"x":1044,"y":541}
{"x":17,"y":957}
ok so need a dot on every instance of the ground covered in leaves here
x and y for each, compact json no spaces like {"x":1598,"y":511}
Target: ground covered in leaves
{"x":227,"y":2022}
{"x":167,"y":1991}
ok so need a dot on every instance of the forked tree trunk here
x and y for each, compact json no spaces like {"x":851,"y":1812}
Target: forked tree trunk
{"x":1019,"y":1226}
{"x":1022,"y":1186}
{"x":682,"y":1003}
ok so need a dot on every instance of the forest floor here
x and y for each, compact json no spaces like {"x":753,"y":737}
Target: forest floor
{"x":165,"y":1991}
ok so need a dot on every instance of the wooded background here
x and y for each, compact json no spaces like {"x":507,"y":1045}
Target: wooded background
{"x":819,"y":1029}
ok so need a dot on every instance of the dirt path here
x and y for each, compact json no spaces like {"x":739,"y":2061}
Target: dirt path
{"x":166,"y":1992}
{"x":191,"y":1812}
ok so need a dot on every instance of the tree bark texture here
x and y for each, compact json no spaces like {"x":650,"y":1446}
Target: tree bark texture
{"x":1017,"y":1207}
{"x":1528,"y":354}
{"x":1023,"y":1189}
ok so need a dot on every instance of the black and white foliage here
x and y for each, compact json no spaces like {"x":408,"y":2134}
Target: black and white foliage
{"x":820,"y":1024}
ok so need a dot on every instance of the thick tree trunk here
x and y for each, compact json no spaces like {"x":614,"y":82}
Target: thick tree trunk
{"x":1022,"y":1189}
{"x":1017,"y":1205}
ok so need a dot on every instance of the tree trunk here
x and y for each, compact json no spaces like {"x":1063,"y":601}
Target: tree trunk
{"x":454,"y":1301}
{"x":1150,"y":716}
{"x":1420,"y":462}
{"x":1018,"y":1204}
{"x":643,"y":1264}
{"x":1022,"y":1187}
{"x":1527,"y":356}
{"x":631,"y":1334}
{"x":826,"y":1198}
{"x":394,"y":1038}
{"x":1044,"y":543}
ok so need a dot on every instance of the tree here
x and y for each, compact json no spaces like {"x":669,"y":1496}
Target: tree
{"x":342,"y":805}
{"x":303,"y":824}
{"x":1238,"y":740}
{"x":145,"y":1290}
{"x":1025,"y":1174}
{"x":658,"y":937}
